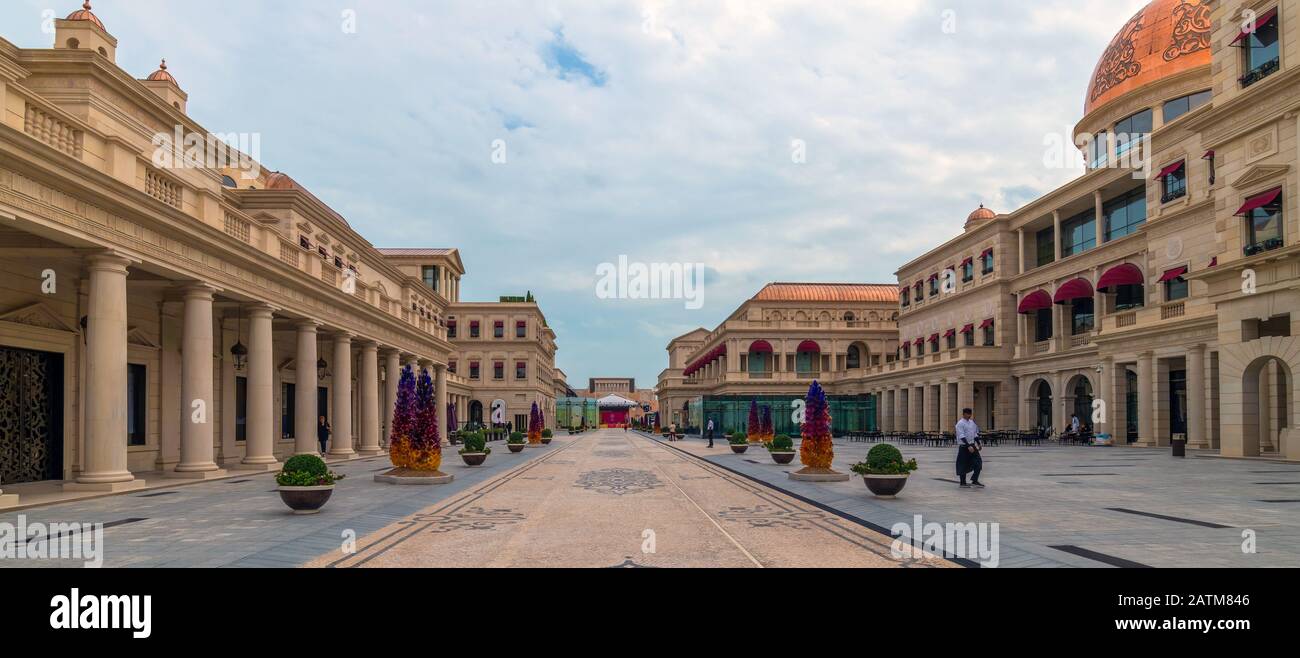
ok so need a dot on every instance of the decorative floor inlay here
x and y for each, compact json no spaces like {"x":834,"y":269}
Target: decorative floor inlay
{"x":618,"y":481}
{"x":613,"y":454}
{"x":474,"y":518}
{"x":768,"y":516}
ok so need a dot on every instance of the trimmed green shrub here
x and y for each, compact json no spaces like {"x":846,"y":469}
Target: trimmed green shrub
{"x":517,"y":438}
{"x":306,"y":471}
{"x":739,"y":438}
{"x":310,"y":464}
{"x":781,"y":443}
{"x":885,"y":459}
{"x":474,"y":442}
{"x":548,"y":434}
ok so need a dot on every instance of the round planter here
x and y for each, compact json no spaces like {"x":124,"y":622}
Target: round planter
{"x":739,"y":449}
{"x":783,"y":457}
{"x":474,"y":458}
{"x":306,"y":500}
{"x":546,"y":441}
{"x":517,"y":447}
{"x":885,"y":486}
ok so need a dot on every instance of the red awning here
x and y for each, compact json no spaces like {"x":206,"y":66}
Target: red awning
{"x":1173,"y":274}
{"x":1127,"y":274}
{"x":1215,"y":262}
{"x":934,"y":338}
{"x":933,"y":277}
{"x":1035,"y":301}
{"x":970,"y":328}
{"x":987,"y":323}
{"x":1072,"y":290}
{"x":1259,"y":201}
{"x":760,"y":347}
{"x":809,"y":346}
{"x":1250,"y":29}
{"x":968,"y":261}
{"x":987,"y":252}
{"x":950,"y":333}
{"x":920,"y":342}
{"x":1209,"y":155}
{"x":1171,"y":169}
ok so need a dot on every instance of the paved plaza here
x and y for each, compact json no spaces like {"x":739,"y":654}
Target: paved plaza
{"x":615,"y":499}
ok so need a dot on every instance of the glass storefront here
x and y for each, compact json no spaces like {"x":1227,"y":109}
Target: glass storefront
{"x":730,"y":413}
{"x":573,"y":413}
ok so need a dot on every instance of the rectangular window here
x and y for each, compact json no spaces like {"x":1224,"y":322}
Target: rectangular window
{"x":987,"y":261}
{"x":521,"y":330}
{"x":1082,"y":318}
{"x":1130,"y":132}
{"x":288,"y":409}
{"x":1129,"y":297}
{"x":474,"y":329}
{"x":905,"y":299}
{"x":473,"y":370}
{"x":907,"y":351}
{"x":1099,"y":150}
{"x":137,"y":397}
{"x":499,"y":370}
{"x":1262,"y":49}
{"x":990,"y":339}
{"x":1125,"y":214}
{"x":920,"y":292}
{"x":1176,"y":289}
{"x":934,"y":286}
{"x":1045,"y":242}
{"x":451,"y":329}
{"x":499,"y":330}
{"x":969,"y":338}
{"x":241,"y":408}
{"x":1174,"y":182}
{"x":521,"y":370}
{"x":952,"y":341}
{"x":1043,"y":325}
{"x":1180,"y":106}
{"x":968,"y":271}
{"x":430,"y":275}
{"x":1079,"y":234}
{"x":1265,"y":228}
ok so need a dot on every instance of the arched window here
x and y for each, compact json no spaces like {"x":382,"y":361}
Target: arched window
{"x":854,"y":358}
{"x":849,"y":317}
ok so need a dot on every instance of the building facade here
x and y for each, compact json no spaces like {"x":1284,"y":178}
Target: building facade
{"x":1155,"y":296}
{"x":180,"y":317}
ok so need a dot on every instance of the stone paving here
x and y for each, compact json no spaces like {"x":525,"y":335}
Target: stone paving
{"x":616,"y":499}
{"x":1076,"y":506}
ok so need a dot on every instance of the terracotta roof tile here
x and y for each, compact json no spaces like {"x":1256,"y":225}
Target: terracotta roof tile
{"x":828,"y":292}
{"x":416,"y":252}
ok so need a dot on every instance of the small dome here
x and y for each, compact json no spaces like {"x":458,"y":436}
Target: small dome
{"x":981,"y":214}
{"x":161,"y":75}
{"x":84,"y":14}
{"x":279,"y":181}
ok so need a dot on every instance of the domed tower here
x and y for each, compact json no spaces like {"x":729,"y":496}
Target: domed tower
{"x":1160,"y":55}
{"x":82,"y":30}
{"x":979,"y":217}
{"x":162,"y":83}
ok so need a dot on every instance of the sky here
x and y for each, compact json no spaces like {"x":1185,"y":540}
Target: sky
{"x":763,"y":140}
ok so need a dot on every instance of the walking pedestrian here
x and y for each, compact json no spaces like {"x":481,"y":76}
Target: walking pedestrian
{"x":709,"y":432}
{"x":969,"y":460}
{"x":323,"y":432}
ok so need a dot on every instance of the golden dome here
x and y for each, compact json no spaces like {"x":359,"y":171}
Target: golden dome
{"x":84,"y":14}
{"x":1165,"y":38}
{"x":161,"y":75}
{"x":981,"y":214}
{"x":280,"y":181}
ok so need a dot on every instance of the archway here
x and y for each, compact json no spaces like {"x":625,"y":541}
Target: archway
{"x":1267,"y":408}
{"x":857,"y":356}
{"x":1041,"y":393}
{"x":808,"y":358}
{"x":1080,"y":389}
{"x":476,"y":412}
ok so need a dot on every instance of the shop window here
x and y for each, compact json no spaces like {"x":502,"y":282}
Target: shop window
{"x":137,"y":396}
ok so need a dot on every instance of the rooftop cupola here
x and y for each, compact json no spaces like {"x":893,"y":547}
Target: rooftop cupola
{"x":82,"y":30}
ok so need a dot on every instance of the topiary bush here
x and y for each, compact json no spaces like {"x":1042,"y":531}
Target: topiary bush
{"x":306,"y":471}
{"x":885,"y":459}
{"x":739,"y":438}
{"x":548,"y":434}
{"x":781,"y":443}
{"x":474,"y":443}
{"x":517,"y":438}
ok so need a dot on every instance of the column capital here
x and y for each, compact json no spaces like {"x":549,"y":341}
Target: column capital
{"x":307,"y":324}
{"x":369,"y":346}
{"x":197,"y":290}
{"x":261,"y":310}
{"x":342,"y":337}
{"x":110,"y":261}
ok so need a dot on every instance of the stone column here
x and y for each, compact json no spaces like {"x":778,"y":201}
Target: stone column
{"x":341,"y":439}
{"x":369,"y":400}
{"x":1056,"y":232}
{"x":1109,"y":397}
{"x":196,"y":388}
{"x":946,"y":421}
{"x":916,"y":409}
{"x":1146,"y":399}
{"x":1098,"y":203}
{"x":930,"y":421}
{"x":259,"y":452}
{"x":900,"y":416}
{"x":440,"y":394}
{"x":1058,"y":403}
{"x":104,"y":458}
{"x":1020,"y":238}
{"x":1197,"y":437}
{"x":965,"y":396}
{"x":392,"y":377}
{"x":305,"y":412}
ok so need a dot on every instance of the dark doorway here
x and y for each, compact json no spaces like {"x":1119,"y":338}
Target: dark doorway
{"x":476,"y":412}
{"x":1131,"y":404}
{"x":323,"y":403}
{"x":1045,"y":405}
{"x":1177,"y":403}
{"x":31,"y":416}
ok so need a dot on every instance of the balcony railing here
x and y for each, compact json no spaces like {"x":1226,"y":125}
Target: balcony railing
{"x":1262,"y":71}
{"x":1042,"y":347}
{"x":1175,"y":310}
{"x":1261,"y":247}
{"x":1126,"y":320}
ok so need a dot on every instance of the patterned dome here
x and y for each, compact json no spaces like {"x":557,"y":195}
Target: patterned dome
{"x":161,"y":75}
{"x":981,"y":214}
{"x":84,"y":14}
{"x":1166,"y":38}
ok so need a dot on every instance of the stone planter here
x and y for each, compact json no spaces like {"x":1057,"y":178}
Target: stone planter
{"x":474,"y":458}
{"x":783,"y":457}
{"x":739,"y":449}
{"x":885,"y":486}
{"x":306,"y":500}
{"x":517,"y":447}
{"x":546,"y":441}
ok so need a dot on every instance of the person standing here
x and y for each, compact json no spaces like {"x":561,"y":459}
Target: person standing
{"x":969,"y":460}
{"x":323,"y":432}
{"x":709,"y":431}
